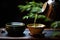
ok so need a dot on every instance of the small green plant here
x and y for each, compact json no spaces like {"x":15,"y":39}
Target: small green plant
{"x":55,"y":25}
{"x":34,"y":10}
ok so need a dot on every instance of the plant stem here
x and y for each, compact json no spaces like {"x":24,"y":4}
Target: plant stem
{"x":35,"y":19}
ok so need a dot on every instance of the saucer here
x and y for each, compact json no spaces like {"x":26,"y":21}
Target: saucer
{"x":4,"y":33}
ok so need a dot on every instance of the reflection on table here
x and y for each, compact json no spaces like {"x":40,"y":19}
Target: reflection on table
{"x":47,"y":35}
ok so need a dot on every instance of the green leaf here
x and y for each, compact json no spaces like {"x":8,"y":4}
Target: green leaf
{"x":42,"y":16}
{"x":36,"y":9}
{"x":20,"y":6}
{"x":55,"y":24}
{"x":31,"y":15}
{"x":32,"y":3}
{"x":25,"y":7}
{"x":25,"y":17}
{"x":47,"y":20}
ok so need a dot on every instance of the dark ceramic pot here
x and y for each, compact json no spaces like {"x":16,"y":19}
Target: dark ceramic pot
{"x":15,"y":28}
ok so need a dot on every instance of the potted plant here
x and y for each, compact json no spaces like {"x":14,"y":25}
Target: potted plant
{"x":34,"y":9}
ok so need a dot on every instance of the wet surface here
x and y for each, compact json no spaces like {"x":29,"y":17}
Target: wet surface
{"x":46,"y":34}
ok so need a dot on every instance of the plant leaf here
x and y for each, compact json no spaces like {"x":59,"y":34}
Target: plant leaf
{"x":36,"y":9}
{"x":25,"y":17}
{"x":42,"y":16}
{"x":55,"y":24}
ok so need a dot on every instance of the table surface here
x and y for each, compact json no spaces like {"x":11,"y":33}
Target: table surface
{"x":47,"y":35}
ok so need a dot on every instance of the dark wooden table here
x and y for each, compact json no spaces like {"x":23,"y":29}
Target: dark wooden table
{"x":27,"y":36}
